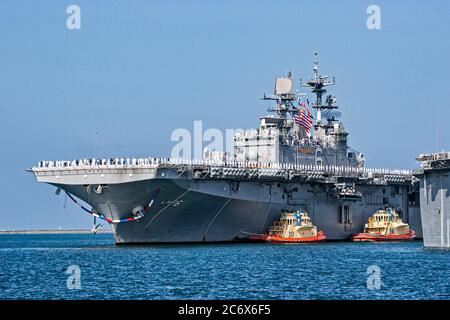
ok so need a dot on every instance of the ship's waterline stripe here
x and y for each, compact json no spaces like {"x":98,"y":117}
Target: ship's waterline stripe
{"x":115,"y":221}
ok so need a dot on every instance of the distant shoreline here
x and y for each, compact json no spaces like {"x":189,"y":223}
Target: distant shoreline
{"x":75,"y":231}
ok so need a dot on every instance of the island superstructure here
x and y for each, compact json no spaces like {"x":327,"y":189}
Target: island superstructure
{"x":434,"y":177}
{"x":291,"y":162}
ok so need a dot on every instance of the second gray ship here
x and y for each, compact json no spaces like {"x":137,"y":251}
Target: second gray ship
{"x":434,"y":176}
{"x":292,"y":161}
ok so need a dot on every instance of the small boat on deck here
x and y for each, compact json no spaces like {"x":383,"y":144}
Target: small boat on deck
{"x":294,"y":227}
{"x":385,"y":225}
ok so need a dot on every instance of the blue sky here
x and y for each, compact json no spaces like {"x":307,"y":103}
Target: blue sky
{"x":137,"y":70}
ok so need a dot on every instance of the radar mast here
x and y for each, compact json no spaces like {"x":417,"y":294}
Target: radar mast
{"x":317,"y":86}
{"x":284,"y":97}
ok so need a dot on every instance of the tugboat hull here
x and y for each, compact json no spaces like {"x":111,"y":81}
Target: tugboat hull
{"x":373,"y":237}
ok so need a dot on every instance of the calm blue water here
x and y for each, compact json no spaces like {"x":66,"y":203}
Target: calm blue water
{"x":34,"y":267}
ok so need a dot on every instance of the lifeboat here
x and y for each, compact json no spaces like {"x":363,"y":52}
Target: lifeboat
{"x":385,"y":225}
{"x":294,"y":227}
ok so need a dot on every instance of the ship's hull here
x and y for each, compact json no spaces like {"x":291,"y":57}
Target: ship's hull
{"x":435,"y":207}
{"x":185,"y":210}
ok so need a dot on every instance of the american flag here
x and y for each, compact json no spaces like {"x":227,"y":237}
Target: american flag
{"x":304,"y":119}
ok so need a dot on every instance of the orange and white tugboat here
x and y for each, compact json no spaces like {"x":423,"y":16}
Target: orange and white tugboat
{"x":385,"y":225}
{"x":294,"y":227}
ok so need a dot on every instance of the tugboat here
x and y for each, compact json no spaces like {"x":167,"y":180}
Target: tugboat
{"x":385,"y":225}
{"x":294,"y":227}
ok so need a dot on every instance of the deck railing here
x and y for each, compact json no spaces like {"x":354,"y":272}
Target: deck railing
{"x":132,"y":163}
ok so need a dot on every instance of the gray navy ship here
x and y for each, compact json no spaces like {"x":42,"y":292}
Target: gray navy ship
{"x":435,"y":198}
{"x":294,"y":160}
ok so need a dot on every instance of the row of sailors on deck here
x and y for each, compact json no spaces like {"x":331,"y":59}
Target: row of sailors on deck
{"x":101,"y":162}
{"x":142,"y":162}
{"x":158,"y":161}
